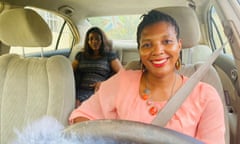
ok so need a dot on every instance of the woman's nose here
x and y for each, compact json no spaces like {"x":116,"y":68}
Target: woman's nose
{"x":158,"y":49}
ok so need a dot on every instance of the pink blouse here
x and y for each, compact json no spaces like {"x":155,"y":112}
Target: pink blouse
{"x":200,"y":116}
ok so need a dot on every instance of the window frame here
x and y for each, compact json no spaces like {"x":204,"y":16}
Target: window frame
{"x":212,"y":26}
{"x":55,"y":47}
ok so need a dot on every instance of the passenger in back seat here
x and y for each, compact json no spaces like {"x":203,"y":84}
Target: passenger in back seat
{"x":139,"y":95}
{"x":95,"y":64}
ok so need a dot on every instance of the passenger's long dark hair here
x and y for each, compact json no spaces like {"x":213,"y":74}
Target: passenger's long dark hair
{"x":104,"y":47}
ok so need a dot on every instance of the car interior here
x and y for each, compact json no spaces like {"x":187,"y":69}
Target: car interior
{"x":42,"y":83}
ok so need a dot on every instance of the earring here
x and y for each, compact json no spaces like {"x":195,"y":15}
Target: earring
{"x":178,"y":64}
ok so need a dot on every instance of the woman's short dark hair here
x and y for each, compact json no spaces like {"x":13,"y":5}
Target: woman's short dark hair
{"x":105,"y":45}
{"x":152,"y":17}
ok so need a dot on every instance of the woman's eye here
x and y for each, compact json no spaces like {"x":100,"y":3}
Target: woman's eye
{"x":146,"y":45}
{"x":168,"y":41}
{"x":94,"y":39}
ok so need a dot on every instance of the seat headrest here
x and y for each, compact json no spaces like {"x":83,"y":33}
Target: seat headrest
{"x":24,"y":28}
{"x":188,"y":24}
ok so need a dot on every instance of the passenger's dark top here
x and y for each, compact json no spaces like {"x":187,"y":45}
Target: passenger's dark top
{"x":91,"y":71}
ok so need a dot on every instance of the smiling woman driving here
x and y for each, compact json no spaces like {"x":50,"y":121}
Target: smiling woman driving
{"x":139,"y":95}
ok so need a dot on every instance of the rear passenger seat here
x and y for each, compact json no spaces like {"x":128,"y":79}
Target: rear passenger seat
{"x":126,"y":50}
{"x":193,"y":55}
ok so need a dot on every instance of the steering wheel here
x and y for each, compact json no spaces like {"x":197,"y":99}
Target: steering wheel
{"x":125,"y":132}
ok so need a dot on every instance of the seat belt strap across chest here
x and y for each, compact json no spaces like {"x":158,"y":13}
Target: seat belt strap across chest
{"x":176,"y":101}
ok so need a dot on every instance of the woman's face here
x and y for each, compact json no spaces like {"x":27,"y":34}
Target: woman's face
{"x":159,"y":48}
{"x":94,"y":41}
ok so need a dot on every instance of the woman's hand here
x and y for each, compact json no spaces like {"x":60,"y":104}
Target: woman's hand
{"x":78,"y":119}
{"x":96,"y":86}
{"x":78,"y":103}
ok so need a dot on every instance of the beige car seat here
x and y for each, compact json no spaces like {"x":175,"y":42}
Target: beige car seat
{"x":31,"y":88}
{"x":190,"y":35}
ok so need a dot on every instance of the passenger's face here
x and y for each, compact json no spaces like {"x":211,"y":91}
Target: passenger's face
{"x":94,"y":41}
{"x":159,"y":48}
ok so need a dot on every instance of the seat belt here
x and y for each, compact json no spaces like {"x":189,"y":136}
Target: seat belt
{"x":176,"y":101}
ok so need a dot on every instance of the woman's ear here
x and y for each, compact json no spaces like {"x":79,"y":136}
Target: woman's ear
{"x":180,"y":44}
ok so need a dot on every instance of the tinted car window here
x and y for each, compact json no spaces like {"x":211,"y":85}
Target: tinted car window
{"x":62,"y":35}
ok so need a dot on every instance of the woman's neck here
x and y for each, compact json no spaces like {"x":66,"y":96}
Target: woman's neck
{"x":162,"y":82}
{"x":161,"y":88}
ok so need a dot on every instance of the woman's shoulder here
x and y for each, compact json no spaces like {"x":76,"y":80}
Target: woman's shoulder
{"x":111,"y":55}
{"x":203,"y":90}
{"x":129,"y":73}
{"x":79,"y":55}
{"x":121,"y":80}
{"x":201,"y":86}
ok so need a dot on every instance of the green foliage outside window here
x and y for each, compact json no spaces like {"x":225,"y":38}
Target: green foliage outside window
{"x":118,"y":27}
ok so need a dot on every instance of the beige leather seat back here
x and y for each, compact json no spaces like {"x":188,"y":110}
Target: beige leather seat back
{"x":31,"y":87}
{"x":190,"y":35}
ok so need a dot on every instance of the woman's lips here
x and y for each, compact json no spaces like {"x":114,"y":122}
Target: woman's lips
{"x":159,"y":63}
{"x":95,"y":46}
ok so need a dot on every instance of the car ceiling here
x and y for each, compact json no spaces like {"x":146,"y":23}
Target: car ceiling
{"x":77,"y":9}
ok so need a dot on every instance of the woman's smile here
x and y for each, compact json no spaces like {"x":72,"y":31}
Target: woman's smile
{"x":159,"y":62}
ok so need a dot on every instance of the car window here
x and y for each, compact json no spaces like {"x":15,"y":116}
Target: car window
{"x":216,"y":32}
{"x":237,"y":4}
{"x":62,"y":35}
{"x":122,"y":27}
